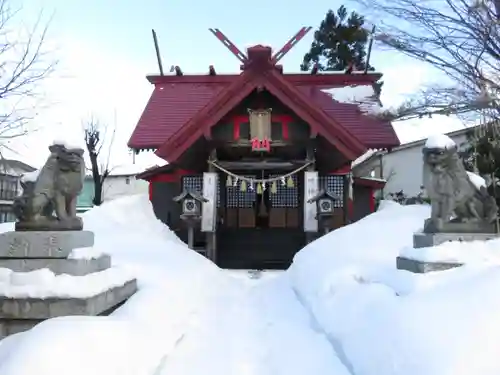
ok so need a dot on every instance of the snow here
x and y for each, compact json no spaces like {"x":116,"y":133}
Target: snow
{"x":30,"y":176}
{"x":364,"y":157}
{"x":342,"y":308}
{"x":457,"y":252}
{"x":393,"y":322}
{"x":45,"y":284}
{"x":69,"y":145}
{"x":363,"y":96}
{"x":440,"y":141}
{"x":477,"y":180}
{"x":85,"y":253}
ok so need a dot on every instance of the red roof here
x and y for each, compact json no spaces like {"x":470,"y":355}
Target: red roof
{"x":181,"y":108}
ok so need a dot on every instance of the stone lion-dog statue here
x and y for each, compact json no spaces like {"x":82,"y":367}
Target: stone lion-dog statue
{"x":457,"y":204}
{"x":55,"y":189}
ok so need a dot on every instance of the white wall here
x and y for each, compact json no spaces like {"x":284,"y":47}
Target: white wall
{"x":117,"y":186}
{"x":403,"y":168}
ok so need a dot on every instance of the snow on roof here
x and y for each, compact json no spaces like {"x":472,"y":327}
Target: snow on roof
{"x":440,"y":141}
{"x":30,"y":176}
{"x":364,"y":157}
{"x":362,"y":95}
{"x":476,"y":180}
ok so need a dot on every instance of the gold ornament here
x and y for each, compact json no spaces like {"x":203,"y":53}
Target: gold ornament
{"x":243,"y":186}
{"x":290,"y":183}
{"x":274,"y":188}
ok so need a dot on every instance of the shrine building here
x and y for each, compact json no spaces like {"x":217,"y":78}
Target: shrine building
{"x":259,"y":163}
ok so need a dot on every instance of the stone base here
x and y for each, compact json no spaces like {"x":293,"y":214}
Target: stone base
{"x":50,"y":224}
{"x":73,"y":267}
{"x":459,"y":227}
{"x":21,"y":314}
{"x":418,"y":266}
{"x":43,"y":244}
{"x":38,"y":308}
{"x":434,"y":239}
{"x":12,"y":326}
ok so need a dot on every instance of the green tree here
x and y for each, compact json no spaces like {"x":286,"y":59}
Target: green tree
{"x":341,"y":40}
{"x":482,"y":155}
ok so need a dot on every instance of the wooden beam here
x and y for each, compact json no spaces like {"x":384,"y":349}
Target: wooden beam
{"x":247,"y":143}
{"x":263,"y":165}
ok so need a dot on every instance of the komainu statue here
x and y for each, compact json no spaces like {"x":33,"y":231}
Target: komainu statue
{"x":55,"y":188}
{"x":458,"y":205}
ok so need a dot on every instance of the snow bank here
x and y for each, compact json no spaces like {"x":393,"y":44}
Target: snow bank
{"x":175,"y":283}
{"x":387,"y":321}
{"x":128,"y":230}
{"x":477,"y":252}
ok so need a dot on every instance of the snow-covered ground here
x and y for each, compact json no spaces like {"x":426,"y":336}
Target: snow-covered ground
{"x":342,"y":308}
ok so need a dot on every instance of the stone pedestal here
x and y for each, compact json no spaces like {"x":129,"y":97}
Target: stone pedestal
{"x":418,"y":266}
{"x":421,"y":240}
{"x":33,"y":250}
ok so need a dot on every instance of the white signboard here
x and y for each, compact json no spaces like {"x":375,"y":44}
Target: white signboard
{"x":209,"y":209}
{"x":311,"y":188}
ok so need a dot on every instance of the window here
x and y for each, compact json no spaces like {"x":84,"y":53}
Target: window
{"x":127,"y":180}
{"x":6,"y":214}
{"x":195,"y":183}
{"x":285,"y":196}
{"x":8,"y":187}
{"x":334,"y":184}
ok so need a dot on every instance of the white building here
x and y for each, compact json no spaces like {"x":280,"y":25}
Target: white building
{"x":10,"y":187}
{"x":121,"y":183}
{"x":402,"y":167}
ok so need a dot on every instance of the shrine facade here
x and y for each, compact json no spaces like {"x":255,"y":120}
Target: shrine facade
{"x":258,"y":162}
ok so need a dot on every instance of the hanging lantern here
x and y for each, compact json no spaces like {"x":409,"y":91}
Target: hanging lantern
{"x":259,"y":188}
{"x":235,"y":182}
{"x":243,"y":186}
{"x":263,"y":187}
{"x":229,"y":181}
{"x":289,"y":182}
{"x":283,"y":181}
{"x":274,"y":187}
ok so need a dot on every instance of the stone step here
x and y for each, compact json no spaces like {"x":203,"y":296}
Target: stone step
{"x":46,"y":308}
{"x":19,"y":315}
{"x":43,"y":244}
{"x":73,"y":267}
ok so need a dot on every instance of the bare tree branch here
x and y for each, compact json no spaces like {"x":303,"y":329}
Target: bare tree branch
{"x":459,"y":38}
{"x":95,"y":139}
{"x":24,"y":64}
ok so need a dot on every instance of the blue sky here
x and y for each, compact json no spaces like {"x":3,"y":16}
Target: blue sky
{"x":106,"y":49}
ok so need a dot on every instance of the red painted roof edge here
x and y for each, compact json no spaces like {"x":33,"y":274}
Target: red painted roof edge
{"x":173,"y":147}
{"x":347,"y":144}
{"x":332,"y":130}
{"x":297,"y":79}
{"x":366,"y":181}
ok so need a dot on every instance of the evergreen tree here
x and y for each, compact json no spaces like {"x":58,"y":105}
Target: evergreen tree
{"x":482,"y":155}
{"x":339,"y":42}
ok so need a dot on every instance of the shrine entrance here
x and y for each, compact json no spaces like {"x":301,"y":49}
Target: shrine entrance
{"x":261,"y":226}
